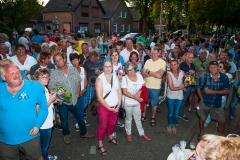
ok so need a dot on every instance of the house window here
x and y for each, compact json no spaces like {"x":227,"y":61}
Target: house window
{"x":97,"y":28}
{"x":115,"y":27}
{"x":120,"y":14}
{"x":125,"y":15}
{"x":122,"y":28}
{"x":85,"y":11}
{"x":95,"y":12}
{"x":83,"y":27}
{"x":128,"y":28}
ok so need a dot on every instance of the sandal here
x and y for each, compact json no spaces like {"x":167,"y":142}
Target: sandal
{"x":153,"y":122}
{"x":174,"y":130}
{"x":143,"y":119}
{"x":114,"y":141}
{"x":103,"y":153}
{"x":169,"y":130}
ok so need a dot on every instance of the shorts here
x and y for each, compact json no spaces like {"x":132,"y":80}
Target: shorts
{"x":154,"y":94}
{"x":31,"y":149}
{"x":193,"y":89}
{"x":217,"y":114}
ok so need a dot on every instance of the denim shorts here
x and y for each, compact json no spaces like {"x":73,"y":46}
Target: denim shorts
{"x":154,"y":94}
{"x":193,"y":89}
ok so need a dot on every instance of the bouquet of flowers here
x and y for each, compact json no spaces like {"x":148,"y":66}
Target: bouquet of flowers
{"x":63,"y":95}
{"x":189,"y":79}
{"x":119,"y":71}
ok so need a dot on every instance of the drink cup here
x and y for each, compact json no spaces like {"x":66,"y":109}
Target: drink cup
{"x":192,"y":146}
{"x":183,"y":145}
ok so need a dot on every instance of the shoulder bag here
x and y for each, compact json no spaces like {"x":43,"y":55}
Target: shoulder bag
{"x":95,"y":103}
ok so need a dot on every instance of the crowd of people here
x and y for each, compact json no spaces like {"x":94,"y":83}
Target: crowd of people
{"x":202,"y":74}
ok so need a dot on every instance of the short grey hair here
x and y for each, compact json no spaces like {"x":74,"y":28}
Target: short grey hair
{"x":128,"y":64}
{"x":203,"y":50}
{"x":2,"y":65}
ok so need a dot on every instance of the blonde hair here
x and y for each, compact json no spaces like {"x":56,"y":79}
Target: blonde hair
{"x":212,"y":147}
{"x":53,"y":49}
{"x":4,"y":36}
{"x":40,"y":72}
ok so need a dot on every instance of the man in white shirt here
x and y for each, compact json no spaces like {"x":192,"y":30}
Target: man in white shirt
{"x":129,"y":48}
{"x":176,"y":42}
{"x":46,"y":40}
{"x":23,"y":40}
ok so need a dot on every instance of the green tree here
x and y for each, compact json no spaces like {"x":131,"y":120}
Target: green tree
{"x":17,"y":13}
{"x":143,"y":8}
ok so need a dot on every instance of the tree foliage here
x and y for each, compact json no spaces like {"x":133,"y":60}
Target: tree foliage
{"x":198,"y":13}
{"x":17,"y":13}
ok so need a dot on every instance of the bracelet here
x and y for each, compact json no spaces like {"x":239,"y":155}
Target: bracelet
{"x":148,"y":72}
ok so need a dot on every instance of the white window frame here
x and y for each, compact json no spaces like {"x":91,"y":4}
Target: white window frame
{"x":122,"y":28}
{"x":128,"y":28}
{"x":115,"y":25}
{"x":125,"y":15}
{"x":120,"y":14}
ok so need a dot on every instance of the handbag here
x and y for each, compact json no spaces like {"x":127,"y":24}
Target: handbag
{"x":122,"y":111}
{"x":95,"y":103}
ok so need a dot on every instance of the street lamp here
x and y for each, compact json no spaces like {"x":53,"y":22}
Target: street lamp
{"x":69,"y":8}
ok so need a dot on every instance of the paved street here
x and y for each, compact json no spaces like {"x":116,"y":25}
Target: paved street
{"x":159,"y":148}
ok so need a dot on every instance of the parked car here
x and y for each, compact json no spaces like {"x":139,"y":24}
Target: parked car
{"x":134,"y":36}
{"x":181,"y":31}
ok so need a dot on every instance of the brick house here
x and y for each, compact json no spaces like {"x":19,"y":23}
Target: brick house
{"x":91,"y":15}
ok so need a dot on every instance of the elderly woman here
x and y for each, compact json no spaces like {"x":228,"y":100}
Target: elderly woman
{"x":131,"y":88}
{"x":22,"y":60}
{"x":174,"y":95}
{"x":42,"y":76}
{"x":212,"y":147}
{"x":45,"y":47}
{"x":109,"y":94}
{"x":4,"y":39}
{"x":134,"y":58}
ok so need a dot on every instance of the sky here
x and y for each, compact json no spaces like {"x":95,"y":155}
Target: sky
{"x":45,"y":2}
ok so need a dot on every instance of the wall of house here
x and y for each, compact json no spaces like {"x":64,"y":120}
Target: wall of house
{"x":92,"y":22}
{"x":57,"y":19}
{"x":116,"y":21}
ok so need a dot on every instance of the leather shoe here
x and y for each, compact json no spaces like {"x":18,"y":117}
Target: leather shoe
{"x":146,"y":137}
{"x":129,"y":137}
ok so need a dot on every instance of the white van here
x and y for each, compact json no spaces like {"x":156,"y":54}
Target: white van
{"x":181,"y":31}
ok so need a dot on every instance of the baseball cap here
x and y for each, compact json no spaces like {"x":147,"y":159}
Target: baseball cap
{"x":213,"y":63}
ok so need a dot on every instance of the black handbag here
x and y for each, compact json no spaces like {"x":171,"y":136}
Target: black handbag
{"x":95,"y":103}
{"x":122,"y":111}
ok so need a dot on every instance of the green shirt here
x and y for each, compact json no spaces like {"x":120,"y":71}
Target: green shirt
{"x":141,"y":39}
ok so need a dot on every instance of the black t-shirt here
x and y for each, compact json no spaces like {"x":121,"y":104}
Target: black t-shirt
{"x":90,"y":68}
{"x":36,"y":66}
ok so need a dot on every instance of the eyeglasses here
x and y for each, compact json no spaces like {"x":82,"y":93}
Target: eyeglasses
{"x":129,"y":70}
{"x":44,"y":77}
{"x":220,"y":66}
{"x":107,"y":66}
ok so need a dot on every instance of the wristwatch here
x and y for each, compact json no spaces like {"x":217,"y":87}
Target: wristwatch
{"x":148,"y":72}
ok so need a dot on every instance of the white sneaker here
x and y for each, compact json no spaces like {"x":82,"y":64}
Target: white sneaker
{"x":86,"y":123}
{"x":206,"y":124}
{"x":50,"y":157}
{"x":76,"y":127}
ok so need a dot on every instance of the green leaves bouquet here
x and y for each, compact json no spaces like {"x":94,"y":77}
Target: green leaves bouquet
{"x":64,"y":95}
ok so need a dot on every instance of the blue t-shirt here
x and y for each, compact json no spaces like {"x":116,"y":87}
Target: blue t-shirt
{"x":38,"y":39}
{"x":231,"y":51}
{"x":207,"y":82}
{"x":18,"y":112}
{"x":107,"y":58}
{"x":35,"y":55}
{"x":184,"y":67}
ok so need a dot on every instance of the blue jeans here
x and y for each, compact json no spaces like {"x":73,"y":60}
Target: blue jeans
{"x":233,"y":102}
{"x":81,"y":100}
{"x":78,"y":114}
{"x":185,"y":97}
{"x":238,"y":60}
{"x":104,"y":47}
{"x":173,"y":109}
{"x":45,"y":136}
